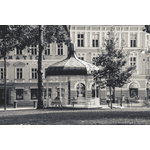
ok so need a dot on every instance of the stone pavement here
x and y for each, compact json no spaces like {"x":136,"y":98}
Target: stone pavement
{"x":104,"y":106}
{"x":68,"y":106}
{"x":20,"y":108}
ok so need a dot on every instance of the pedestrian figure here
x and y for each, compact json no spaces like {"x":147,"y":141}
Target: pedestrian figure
{"x":123,"y":99}
{"x":108,"y":99}
{"x":127,"y":101}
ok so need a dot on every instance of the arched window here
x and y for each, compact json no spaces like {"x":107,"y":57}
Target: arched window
{"x":80,"y":90}
{"x":133,"y":89}
{"x":94,"y":93}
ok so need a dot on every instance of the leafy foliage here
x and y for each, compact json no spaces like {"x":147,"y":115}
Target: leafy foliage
{"x":20,"y":36}
{"x":147,"y":28}
{"x":111,"y":60}
{"x":15,"y":36}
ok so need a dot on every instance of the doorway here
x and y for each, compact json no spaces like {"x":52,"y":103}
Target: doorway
{"x":2,"y":100}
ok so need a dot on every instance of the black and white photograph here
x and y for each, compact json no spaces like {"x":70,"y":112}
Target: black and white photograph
{"x":75,"y":68}
{"x":79,"y":76}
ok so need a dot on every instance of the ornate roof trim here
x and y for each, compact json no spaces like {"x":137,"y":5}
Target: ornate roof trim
{"x":19,"y":64}
{"x":2,"y":64}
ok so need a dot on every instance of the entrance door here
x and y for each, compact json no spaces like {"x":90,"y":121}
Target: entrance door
{"x":2,"y":100}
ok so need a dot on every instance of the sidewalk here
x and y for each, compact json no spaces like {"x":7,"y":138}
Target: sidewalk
{"x":104,"y":106}
{"x":20,"y":108}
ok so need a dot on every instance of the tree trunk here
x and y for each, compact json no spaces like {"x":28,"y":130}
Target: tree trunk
{"x":68,"y":92}
{"x":40,"y":81}
{"x":114,"y":95}
{"x":5,"y":84}
{"x":110,"y":96}
{"x":121,"y":98}
{"x":100,"y":95}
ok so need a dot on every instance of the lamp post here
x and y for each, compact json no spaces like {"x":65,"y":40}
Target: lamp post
{"x":121,"y":90}
{"x":143,"y":53}
{"x":147,"y":89}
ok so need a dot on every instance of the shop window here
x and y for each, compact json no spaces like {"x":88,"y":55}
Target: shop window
{"x":19,"y":94}
{"x":80,"y":40}
{"x":133,"y":92}
{"x":34,"y":93}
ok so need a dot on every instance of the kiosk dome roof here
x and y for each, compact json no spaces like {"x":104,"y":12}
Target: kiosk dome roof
{"x":72,"y":65}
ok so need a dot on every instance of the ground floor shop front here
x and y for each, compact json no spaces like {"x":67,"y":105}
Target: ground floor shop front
{"x":78,"y":88}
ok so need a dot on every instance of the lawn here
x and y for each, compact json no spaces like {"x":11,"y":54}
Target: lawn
{"x":126,"y":116}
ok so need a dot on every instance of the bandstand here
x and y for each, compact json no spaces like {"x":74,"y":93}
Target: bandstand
{"x":71,"y":81}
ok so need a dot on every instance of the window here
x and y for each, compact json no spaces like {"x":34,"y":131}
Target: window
{"x":34,"y":93}
{"x":60,"y":49}
{"x":19,"y":73}
{"x":80,"y":90}
{"x":133,"y":40}
{"x":82,"y":58}
{"x":34,"y":50}
{"x":19,"y":94}
{"x":133,"y":92}
{"x":49,"y":93}
{"x":80,"y":40}
{"x":62,"y":92}
{"x":19,"y":52}
{"x":132,"y":61}
{"x":94,"y":92}
{"x":94,"y":58}
{"x":95,"y":40}
{"x":34,"y":73}
{"x":2,"y":73}
{"x":47,"y":50}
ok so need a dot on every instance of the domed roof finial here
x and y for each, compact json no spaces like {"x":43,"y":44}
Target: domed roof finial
{"x":71,"y":46}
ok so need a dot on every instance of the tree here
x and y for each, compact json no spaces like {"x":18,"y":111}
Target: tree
{"x":20,"y":36}
{"x":48,"y":34}
{"x":147,"y":28}
{"x":112,"y":59}
{"x":12,"y":37}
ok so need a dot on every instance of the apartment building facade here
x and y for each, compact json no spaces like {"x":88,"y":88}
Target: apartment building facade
{"x":22,"y":75}
{"x":22,"y":65}
{"x":89,"y":40}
